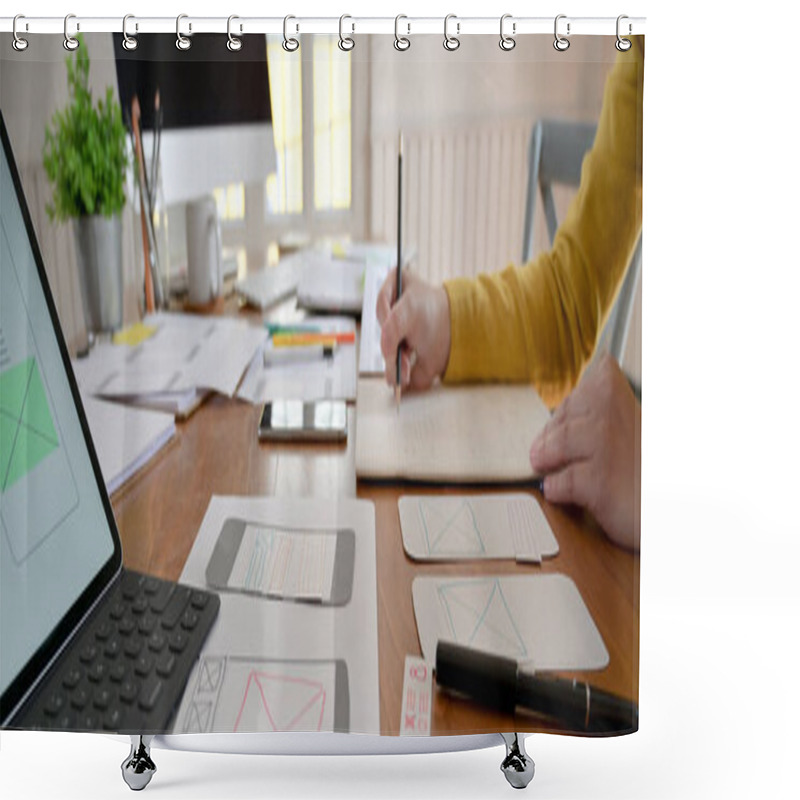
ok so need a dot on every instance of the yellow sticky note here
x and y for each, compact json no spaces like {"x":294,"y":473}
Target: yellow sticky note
{"x":338,"y":250}
{"x":134,"y":334}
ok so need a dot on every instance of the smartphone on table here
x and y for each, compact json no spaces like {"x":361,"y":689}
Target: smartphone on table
{"x":295,"y":420}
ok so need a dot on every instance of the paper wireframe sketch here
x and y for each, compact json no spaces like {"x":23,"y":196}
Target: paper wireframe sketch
{"x":284,"y":563}
{"x":540,"y":620}
{"x":459,"y":434}
{"x":460,"y":527}
{"x":242,"y":695}
{"x":257,"y":628}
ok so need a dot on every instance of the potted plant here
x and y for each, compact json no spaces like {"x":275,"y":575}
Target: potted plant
{"x":86,"y":161}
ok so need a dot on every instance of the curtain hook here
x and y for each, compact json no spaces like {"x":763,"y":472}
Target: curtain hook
{"x":507,"y":42}
{"x":70,"y":42}
{"x":129,"y":42}
{"x":346,"y":43}
{"x":182,"y":42}
{"x":289,"y":44}
{"x":451,"y":43}
{"x":234,"y":42}
{"x":401,"y":43}
{"x":561,"y":43}
{"x":19,"y":43}
{"x":623,"y":45}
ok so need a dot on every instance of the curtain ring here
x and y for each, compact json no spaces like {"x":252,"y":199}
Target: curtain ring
{"x":234,"y":42}
{"x":182,"y":42}
{"x":346,"y":43}
{"x":129,"y":42}
{"x":507,"y":42}
{"x":451,"y":43}
{"x":70,"y":42}
{"x":19,"y":43}
{"x":623,"y":45}
{"x":401,"y":43}
{"x":289,"y":44}
{"x":561,"y":43}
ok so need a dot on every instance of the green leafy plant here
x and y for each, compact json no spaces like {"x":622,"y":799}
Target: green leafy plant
{"x":84,"y":149}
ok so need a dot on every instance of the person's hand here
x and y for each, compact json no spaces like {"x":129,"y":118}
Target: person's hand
{"x":421,"y":322}
{"x":590,"y":452}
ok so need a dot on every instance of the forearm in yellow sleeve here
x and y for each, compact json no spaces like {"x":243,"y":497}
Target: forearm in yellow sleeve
{"x":541,"y":322}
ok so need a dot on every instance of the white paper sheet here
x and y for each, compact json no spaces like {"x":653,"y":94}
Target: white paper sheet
{"x":187,"y":352}
{"x":255,"y":629}
{"x":326,"y":379}
{"x":370,"y":357}
{"x":458,"y":434}
{"x":541,"y":620}
{"x":125,"y":438}
{"x":461,"y":527}
{"x":331,"y":284}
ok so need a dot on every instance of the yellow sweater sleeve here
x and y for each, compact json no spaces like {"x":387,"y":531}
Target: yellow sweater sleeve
{"x":541,"y":322}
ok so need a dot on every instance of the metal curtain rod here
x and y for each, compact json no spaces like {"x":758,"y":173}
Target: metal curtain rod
{"x":457,"y":26}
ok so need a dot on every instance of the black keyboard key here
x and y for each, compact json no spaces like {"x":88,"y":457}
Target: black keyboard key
{"x":88,"y":654}
{"x":151,"y":691}
{"x":175,"y":607}
{"x":143,"y":666}
{"x":199,"y":600}
{"x":117,"y":672}
{"x":189,"y":620}
{"x":140,"y":605}
{"x":178,"y":641}
{"x":79,"y":699}
{"x":133,"y":647}
{"x":55,"y":703}
{"x":118,"y":610}
{"x":72,"y":677}
{"x":101,"y":698}
{"x":147,"y":624}
{"x":113,"y":648}
{"x":129,"y":690}
{"x":103,"y":631}
{"x":113,"y":719}
{"x":165,"y":665}
{"x":88,"y":721}
{"x":66,"y":721}
{"x":151,"y":585}
{"x":156,"y":642}
{"x":97,"y":672}
{"x":159,"y":601}
{"x":131,"y":582}
{"x":126,"y":626}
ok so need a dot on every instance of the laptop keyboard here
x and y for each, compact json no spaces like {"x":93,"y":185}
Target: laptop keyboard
{"x":125,"y":672}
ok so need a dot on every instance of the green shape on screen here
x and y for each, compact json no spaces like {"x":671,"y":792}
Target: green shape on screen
{"x":27,"y":432}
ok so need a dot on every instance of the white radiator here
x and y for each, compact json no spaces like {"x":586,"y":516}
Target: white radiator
{"x":463,"y":196}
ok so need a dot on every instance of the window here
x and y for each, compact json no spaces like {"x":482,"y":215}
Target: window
{"x":332,"y":123}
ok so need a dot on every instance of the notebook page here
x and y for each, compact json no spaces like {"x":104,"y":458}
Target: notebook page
{"x":457,"y":434}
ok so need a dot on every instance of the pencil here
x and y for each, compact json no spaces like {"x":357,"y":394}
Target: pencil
{"x":399,"y":285}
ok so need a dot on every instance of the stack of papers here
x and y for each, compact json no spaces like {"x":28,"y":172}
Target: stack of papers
{"x":331,"y":378}
{"x":125,"y":438}
{"x":184,"y":358}
{"x":334,"y":280}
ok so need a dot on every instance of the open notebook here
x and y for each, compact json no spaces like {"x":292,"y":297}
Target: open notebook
{"x":469,"y":434}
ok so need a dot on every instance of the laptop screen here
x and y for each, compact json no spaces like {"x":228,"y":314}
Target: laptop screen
{"x":58,"y":543}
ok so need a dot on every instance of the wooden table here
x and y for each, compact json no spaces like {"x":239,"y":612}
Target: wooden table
{"x":216,"y":451}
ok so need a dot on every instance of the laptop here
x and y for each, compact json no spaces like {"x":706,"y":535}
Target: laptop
{"x":84,"y":643}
